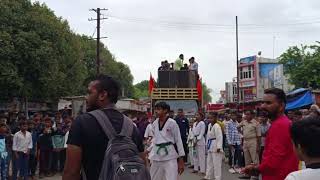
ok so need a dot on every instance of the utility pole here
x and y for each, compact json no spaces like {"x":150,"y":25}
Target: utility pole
{"x":274,"y":39}
{"x":98,"y":11}
{"x":238,"y":79}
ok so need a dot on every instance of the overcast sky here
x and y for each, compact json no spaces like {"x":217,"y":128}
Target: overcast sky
{"x":141,"y":33}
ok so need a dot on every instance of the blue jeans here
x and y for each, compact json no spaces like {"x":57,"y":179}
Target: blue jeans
{"x":235,"y":156}
{"x":21,"y":163}
{"x":4,"y":168}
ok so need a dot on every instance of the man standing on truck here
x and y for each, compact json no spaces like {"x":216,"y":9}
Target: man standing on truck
{"x":193,"y":65}
{"x":178,"y":64}
{"x":183,"y":124}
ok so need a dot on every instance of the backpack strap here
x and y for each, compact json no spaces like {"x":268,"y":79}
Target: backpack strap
{"x":127,"y":127}
{"x":104,"y":122}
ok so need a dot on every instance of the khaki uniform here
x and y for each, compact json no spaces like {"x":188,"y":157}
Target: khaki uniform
{"x":251,"y":132}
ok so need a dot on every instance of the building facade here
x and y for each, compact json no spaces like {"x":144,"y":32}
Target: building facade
{"x":255,"y":75}
{"x":231,"y":91}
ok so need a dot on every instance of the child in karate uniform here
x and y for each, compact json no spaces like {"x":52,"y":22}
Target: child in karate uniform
{"x":215,"y":150}
{"x":166,"y":146}
{"x":199,"y":158}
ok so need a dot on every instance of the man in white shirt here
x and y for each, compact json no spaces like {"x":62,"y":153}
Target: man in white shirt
{"x":22,"y":144}
{"x":199,"y":158}
{"x":215,"y":150}
{"x":163,"y":153}
{"x":193,"y":65}
{"x":305,"y":135}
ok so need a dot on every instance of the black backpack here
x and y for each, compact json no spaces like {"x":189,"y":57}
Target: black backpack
{"x":121,"y":160}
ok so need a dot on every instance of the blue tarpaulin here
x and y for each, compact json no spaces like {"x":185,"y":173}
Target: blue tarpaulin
{"x":299,"y":98}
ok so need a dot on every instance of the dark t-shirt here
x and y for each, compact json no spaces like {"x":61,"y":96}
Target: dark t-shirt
{"x":45,"y":141}
{"x":183,"y":124}
{"x":87,"y":134}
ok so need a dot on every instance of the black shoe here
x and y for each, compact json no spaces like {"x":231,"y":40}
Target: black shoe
{"x":244,"y":177}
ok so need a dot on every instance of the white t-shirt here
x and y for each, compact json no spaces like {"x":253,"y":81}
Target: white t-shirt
{"x":305,"y":174}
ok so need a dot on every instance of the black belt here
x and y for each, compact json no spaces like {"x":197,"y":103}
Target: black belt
{"x":313,"y":166}
{"x":163,"y":146}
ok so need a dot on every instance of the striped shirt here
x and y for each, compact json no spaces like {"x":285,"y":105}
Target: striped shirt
{"x":232,"y":133}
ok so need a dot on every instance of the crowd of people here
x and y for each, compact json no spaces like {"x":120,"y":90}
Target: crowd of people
{"x":267,"y":143}
{"x":179,"y":65}
{"x":241,"y":139}
{"x":35,"y":145}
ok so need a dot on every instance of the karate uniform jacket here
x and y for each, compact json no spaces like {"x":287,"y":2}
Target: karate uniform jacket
{"x":170,"y":133}
{"x":214,"y":135}
{"x":199,"y":130}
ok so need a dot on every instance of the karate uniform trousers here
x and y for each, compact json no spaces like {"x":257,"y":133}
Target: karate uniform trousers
{"x":214,"y":163}
{"x":199,"y":159}
{"x":164,"y":170}
{"x":214,"y":159}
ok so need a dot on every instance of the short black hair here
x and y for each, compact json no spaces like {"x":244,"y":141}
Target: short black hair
{"x":47,"y":119}
{"x":263,"y":114}
{"x":250,"y":111}
{"x":31,"y":122}
{"x":279,"y":93}
{"x":298,"y":113}
{"x":163,"y":105}
{"x":233,"y":113}
{"x":306,"y":133}
{"x":214,"y":114}
{"x":107,"y":83}
{"x":180,"y":109}
{"x":23,"y":122}
{"x":201,"y":114}
{"x":2,"y":124}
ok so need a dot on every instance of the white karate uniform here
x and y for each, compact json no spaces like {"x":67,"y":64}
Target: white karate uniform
{"x":199,"y":159}
{"x":190,"y":145}
{"x":214,"y":159}
{"x":149,"y":131}
{"x":164,"y":163}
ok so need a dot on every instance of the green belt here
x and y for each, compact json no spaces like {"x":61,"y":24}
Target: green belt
{"x":163,"y":146}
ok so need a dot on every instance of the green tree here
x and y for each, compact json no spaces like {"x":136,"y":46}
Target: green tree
{"x":141,"y":89}
{"x":42,"y":59}
{"x":118,"y":70}
{"x":302,"y":64}
{"x":206,"y":94}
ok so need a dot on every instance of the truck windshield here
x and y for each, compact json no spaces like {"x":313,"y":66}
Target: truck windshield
{"x":190,"y":107}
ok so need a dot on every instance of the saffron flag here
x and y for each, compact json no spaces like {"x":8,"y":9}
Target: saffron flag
{"x":151,"y":84}
{"x":199,"y":89}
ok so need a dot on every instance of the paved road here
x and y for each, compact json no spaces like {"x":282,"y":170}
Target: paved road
{"x":187,"y":175}
{"x":225,"y":175}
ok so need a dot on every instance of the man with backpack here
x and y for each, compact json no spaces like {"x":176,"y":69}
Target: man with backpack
{"x":104,"y":144}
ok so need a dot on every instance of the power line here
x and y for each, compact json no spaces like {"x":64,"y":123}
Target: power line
{"x":221,"y":29}
{"x":94,"y":32}
{"x":227,"y":26}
